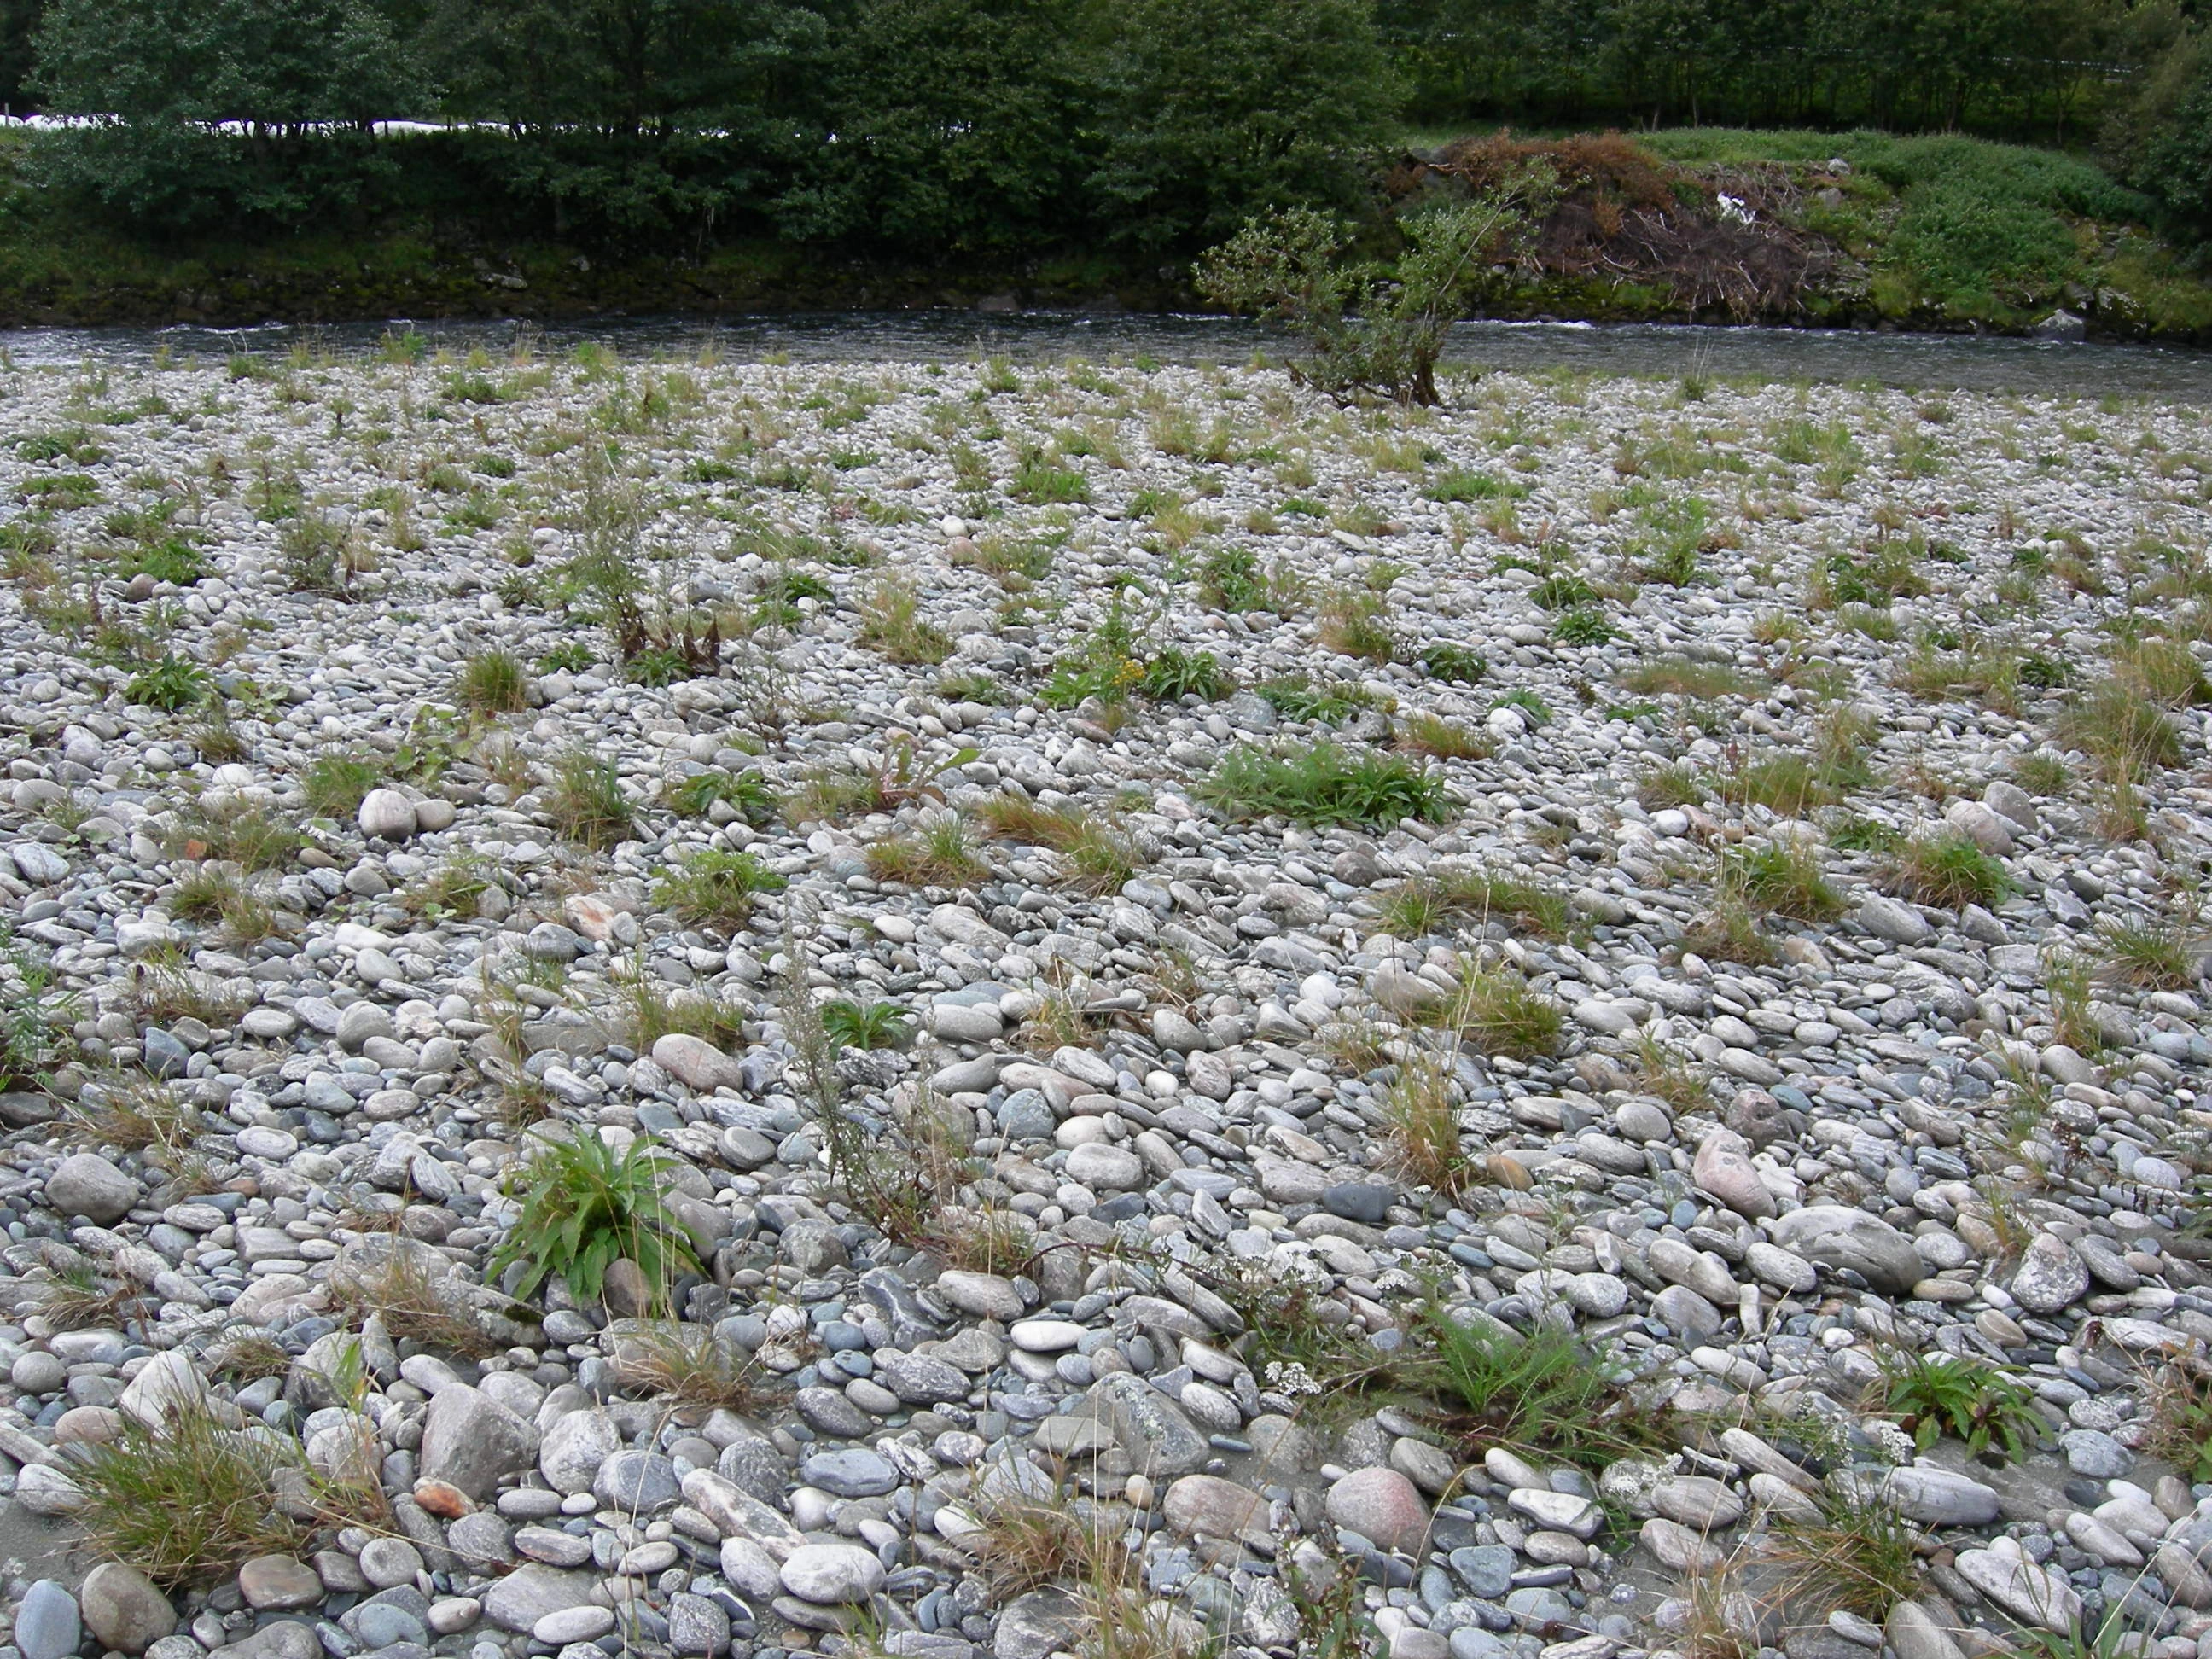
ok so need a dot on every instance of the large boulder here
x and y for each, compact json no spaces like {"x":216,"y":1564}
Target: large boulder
{"x":1843,"y":1238}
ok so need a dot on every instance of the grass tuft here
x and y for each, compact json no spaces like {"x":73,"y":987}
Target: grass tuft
{"x":585,"y":801}
{"x":1946,"y":869}
{"x":492,"y":683}
{"x":714,"y":888}
{"x":1323,"y":784}
{"x":192,"y":1504}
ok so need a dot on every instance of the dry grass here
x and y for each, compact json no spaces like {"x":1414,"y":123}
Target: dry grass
{"x":688,"y":1365}
{"x":191,"y":1504}
{"x":413,"y":1306}
{"x":1423,"y":1115}
{"x":941,"y":852}
{"x":985,"y":1240}
{"x":1095,"y":858}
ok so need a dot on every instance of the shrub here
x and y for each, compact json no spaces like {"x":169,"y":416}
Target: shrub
{"x":1322,"y":784}
{"x":713,"y":888}
{"x":582,"y":1208}
{"x":492,"y":683}
{"x":1947,"y":869}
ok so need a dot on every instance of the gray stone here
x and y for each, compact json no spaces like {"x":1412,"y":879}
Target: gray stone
{"x":1893,"y":920}
{"x":387,"y":814}
{"x":695,"y":1063}
{"x":1148,"y":1427}
{"x":855,"y":1471}
{"x":1843,"y":1238}
{"x":2095,"y":1455}
{"x":637,"y":1482}
{"x":1914,"y":1634}
{"x":574,"y":1447}
{"x":86,"y":1184}
{"x":697,"y":1626}
{"x":278,"y":1582}
{"x":828,"y":1574}
{"x":518,"y":1600}
{"x":46,"y":1625}
{"x":125,"y":1608}
{"x":472,"y":1442}
{"x":921,"y":1379}
{"x":1037,"y":1624}
{"x":2050,"y":1276}
{"x":1204,"y":1506}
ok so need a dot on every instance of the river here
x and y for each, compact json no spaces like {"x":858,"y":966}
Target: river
{"x":1934,"y":362}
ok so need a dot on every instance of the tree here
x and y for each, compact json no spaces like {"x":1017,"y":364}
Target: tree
{"x":1365,"y":330}
{"x":950,"y":126}
{"x":297,"y":83}
{"x":1218,"y":109}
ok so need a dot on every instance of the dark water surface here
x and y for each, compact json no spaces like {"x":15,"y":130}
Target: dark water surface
{"x":1932,"y":361}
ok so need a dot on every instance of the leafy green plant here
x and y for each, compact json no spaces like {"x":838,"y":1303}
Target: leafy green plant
{"x":1175,"y":673}
{"x":852,"y":1025}
{"x":748,"y":793}
{"x":1301,"y":700}
{"x":1934,"y":1394}
{"x":569,"y":657}
{"x":713,"y":888}
{"x":1458,"y":664}
{"x":1324,"y":784}
{"x":582,"y":1206}
{"x":1583,"y":627}
{"x":172,"y":683}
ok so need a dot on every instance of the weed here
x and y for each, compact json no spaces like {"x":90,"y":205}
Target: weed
{"x":941,"y":852}
{"x":1675,"y":785}
{"x":1564,"y":592}
{"x":989,"y":1241}
{"x":1934,"y":1394}
{"x":1583,"y":626}
{"x":1462,"y":484}
{"x":1026,"y":1544}
{"x":1546,"y":1391}
{"x":1788,"y":784}
{"x":1668,"y":1074}
{"x":1041,"y":478}
{"x":2157,"y":955}
{"x":1500,"y":1014}
{"x":1175,"y":674}
{"x":1439,"y":738}
{"x":1322,"y":784}
{"x":74,"y":1296}
{"x":585,"y":801}
{"x":687,"y":1363}
{"x":1678,"y":677}
{"x":413,"y":1305}
{"x":241,"y":833}
{"x":2165,"y":671}
{"x":2067,"y":978}
{"x":582,"y":1206}
{"x":189,"y":1503}
{"x":891,"y":623}
{"x":140,"y":1113}
{"x":853,"y":1024}
{"x":171,"y":684}
{"x":1301,"y":700}
{"x":1728,"y":931}
{"x":1094,"y":857}
{"x":747,"y":793}
{"x":1352,"y":625}
{"x":1860,"y":1554}
{"x":2127,"y":734}
{"x":713,"y":888}
{"x":1422,"y":1115}
{"x":334,"y":786}
{"x":2179,"y":1395}
{"x":1456,"y":663}
{"x":902,"y":775}
{"x":1947,"y":869}
{"x":492,"y":683}
{"x":1784,"y":877}
{"x":2043,"y":775}
{"x":321,"y":556}
{"x":1476,"y":895}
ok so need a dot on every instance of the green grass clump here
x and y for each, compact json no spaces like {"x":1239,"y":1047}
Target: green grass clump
{"x":1095,"y":858}
{"x":2157,"y":955}
{"x":583,"y":1207}
{"x":1499,"y":1013}
{"x":941,"y":852}
{"x":714,"y":888}
{"x":336,"y":784}
{"x":248,"y":836}
{"x":1441,"y":740}
{"x":2123,"y":730}
{"x":1565,"y":591}
{"x":188,"y":1503}
{"x":1947,"y":869}
{"x":1678,"y":677}
{"x":586,"y":802}
{"x":1424,"y":904}
{"x":1788,"y":784}
{"x":1354,"y":625}
{"x":492,"y":683}
{"x":1785,"y":877}
{"x":891,"y":623}
{"x":1465,"y":485}
{"x":1324,"y":784}
{"x":1040,"y":479}
{"x":1546,"y":1392}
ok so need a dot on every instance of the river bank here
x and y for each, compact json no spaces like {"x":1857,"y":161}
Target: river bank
{"x":1484,"y":1009}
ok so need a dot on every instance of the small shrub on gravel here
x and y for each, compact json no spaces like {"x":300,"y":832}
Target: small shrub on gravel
{"x":714,"y":888}
{"x":1945,"y":868}
{"x":1324,"y":784}
{"x":584,"y":1206}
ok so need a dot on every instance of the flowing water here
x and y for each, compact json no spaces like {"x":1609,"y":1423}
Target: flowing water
{"x":1935,"y":362}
